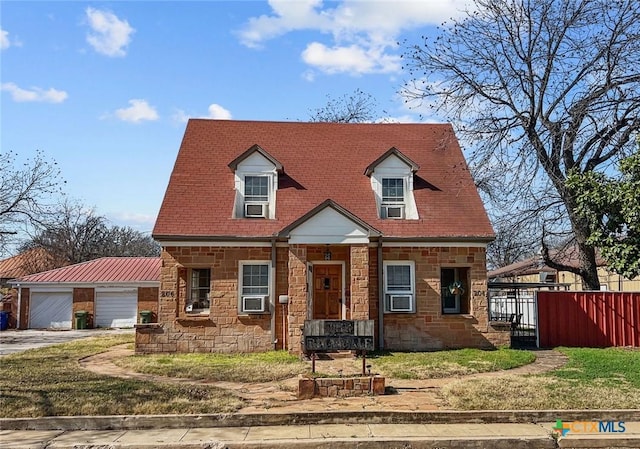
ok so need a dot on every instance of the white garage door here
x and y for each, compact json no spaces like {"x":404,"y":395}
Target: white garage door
{"x":116,"y":309}
{"x":50,"y":310}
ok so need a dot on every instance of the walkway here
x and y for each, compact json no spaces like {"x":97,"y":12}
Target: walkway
{"x":280,"y":397}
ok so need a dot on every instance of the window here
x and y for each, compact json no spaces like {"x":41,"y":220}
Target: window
{"x":256,"y":189}
{"x":399,"y":287}
{"x":392,"y":190}
{"x":256,"y":196}
{"x":254,"y":287}
{"x":199,"y":288}
{"x":392,"y":198}
{"x":454,"y":285}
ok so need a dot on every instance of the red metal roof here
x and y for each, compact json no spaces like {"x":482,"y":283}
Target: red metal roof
{"x":321,"y":161}
{"x":104,"y":270}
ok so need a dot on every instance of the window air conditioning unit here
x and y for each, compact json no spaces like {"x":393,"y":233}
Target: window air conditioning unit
{"x":400,"y":303}
{"x":253,"y":303}
{"x":256,"y":210}
{"x":394,"y":211}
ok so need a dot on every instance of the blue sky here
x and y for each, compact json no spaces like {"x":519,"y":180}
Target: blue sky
{"x":105,"y":88}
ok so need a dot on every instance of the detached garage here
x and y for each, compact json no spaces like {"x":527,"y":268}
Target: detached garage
{"x":111,"y":291}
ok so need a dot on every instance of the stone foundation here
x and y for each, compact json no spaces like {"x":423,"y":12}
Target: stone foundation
{"x":340,"y":387}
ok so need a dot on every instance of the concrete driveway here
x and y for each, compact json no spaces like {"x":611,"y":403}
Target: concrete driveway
{"x":12,"y":341}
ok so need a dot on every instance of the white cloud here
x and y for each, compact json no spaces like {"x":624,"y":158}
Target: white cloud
{"x":180,"y":116}
{"x":215,"y":111}
{"x":35,"y":94}
{"x":406,"y":118}
{"x":366,"y":30}
{"x":109,"y":35}
{"x":142,"y":222}
{"x":352,"y":59}
{"x":218,"y":112}
{"x":138,"y":111}
{"x":4,"y":39}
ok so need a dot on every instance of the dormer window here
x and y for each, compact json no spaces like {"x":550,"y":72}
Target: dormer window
{"x":392,"y":184}
{"x":256,"y":181}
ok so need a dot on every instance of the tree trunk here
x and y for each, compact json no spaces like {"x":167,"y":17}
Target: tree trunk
{"x":589,"y":267}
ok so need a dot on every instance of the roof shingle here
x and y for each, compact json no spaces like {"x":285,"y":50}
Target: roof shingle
{"x":322,"y":161}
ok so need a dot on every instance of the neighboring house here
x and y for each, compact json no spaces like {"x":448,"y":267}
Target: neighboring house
{"x":534,"y":270}
{"x":111,"y":290}
{"x":267,"y":224}
{"x":27,"y":262}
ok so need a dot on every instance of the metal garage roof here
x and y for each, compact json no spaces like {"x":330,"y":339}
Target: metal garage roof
{"x":106,"y":269}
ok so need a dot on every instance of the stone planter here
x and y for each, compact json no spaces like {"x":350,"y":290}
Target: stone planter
{"x":340,"y":386}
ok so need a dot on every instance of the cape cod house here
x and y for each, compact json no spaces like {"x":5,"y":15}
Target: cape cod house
{"x":267,"y":224}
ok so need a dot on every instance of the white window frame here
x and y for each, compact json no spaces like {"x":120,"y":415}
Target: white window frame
{"x":404,"y":190}
{"x":257,"y":201}
{"x":386,"y":204}
{"x":189,"y":303}
{"x":242,"y":296}
{"x":264,"y":203}
{"x":388,"y":293}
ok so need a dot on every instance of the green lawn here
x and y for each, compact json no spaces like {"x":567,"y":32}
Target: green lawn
{"x":437,"y":364}
{"x":256,"y":367}
{"x":592,"y":379}
{"x":50,"y":382}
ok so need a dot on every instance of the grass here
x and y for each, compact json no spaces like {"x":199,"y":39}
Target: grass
{"x":280,"y":365}
{"x":255,"y":367}
{"x":430,"y":365}
{"x":49,"y":382}
{"x":592,"y":379}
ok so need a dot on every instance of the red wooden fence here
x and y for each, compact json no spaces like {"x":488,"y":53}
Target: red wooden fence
{"x":588,"y":319}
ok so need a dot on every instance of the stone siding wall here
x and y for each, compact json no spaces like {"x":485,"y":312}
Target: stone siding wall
{"x":224,"y":330}
{"x":428,"y":328}
{"x":221,"y":330}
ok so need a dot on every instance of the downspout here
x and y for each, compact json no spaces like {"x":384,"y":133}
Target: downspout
{"x":19,"y":306}
{"x":380,"y":296}
{"x":272,"y":293}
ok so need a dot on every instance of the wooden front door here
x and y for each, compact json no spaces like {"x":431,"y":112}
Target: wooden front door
{"x":327,"y":292}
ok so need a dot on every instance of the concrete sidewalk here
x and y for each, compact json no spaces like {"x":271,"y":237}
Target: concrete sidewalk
{"x":334,"y":436}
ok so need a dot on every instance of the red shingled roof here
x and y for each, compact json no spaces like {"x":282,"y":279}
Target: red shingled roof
{"x":321,"y":161}
{"x":104,"y":270}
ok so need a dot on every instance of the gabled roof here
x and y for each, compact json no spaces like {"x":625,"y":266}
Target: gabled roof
{"x":332,"y":205}
{"x":105,"y":270}
{"x":392,"y":151}
{"x":322,"y":160}
{"x":233,"y":165}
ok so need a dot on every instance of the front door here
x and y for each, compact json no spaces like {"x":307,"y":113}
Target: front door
{"x":327,"y":292}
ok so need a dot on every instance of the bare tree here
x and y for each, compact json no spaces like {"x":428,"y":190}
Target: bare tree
{"x":539,"y":89}
{"x":358,"y":107}
{"x":27,"y":194}
{"x":77,"y":234}
{"x":511,"y":244}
